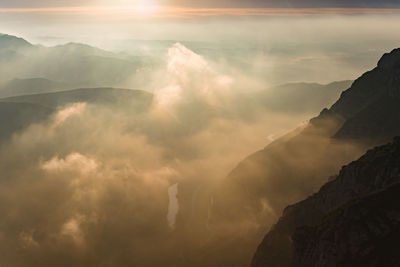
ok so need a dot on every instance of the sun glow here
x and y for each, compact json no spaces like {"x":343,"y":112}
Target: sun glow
{"x":146,"y":8}
{"x":124,"y":9}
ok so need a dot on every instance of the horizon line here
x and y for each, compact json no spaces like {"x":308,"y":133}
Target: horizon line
{"x":187,"y":12}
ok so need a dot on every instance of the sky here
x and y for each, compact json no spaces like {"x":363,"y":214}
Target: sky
{"x":292,"y":40}
{"x":212,"y":3}
{"x":173,"y":9}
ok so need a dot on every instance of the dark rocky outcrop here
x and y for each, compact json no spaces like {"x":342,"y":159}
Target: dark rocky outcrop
{"x":364,"y":232}
{"x":377,"y":170}
{"x":371,"y":105}
{"x":297,"y":165}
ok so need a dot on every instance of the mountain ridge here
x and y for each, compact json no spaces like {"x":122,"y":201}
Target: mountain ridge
{"x":367,"y":114}
{"x":71,"y":63}
{"x":106,"y":95}
{"x":262,"y":185}
{"x":369,"y":174}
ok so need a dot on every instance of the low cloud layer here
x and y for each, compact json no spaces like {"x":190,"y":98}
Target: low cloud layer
{"x":95,"y":185}
{"x":101,"y":182}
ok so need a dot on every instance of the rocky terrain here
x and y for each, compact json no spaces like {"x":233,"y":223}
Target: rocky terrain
{"x":343,"y":221}
{"x":297,"y":165}
{"x":363,"y":232}
{"x":368,"y":114}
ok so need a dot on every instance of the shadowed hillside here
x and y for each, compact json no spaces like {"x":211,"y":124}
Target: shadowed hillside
{"x":135,"y":99}
{"x":15,"y":117}
{"x":17,"y":87}
{"x":338,"y":235}
{"x":19,"y":112}
{"x":369,"y":113}
{"x":293,"y":167}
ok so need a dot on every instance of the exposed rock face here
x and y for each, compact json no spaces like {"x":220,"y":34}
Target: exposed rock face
{"x":323,"y":242}
{"x":364,"y":232}
{"x":371,"y":105}
{"x":297,"y":165}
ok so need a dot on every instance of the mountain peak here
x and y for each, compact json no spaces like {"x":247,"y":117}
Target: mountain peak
{"x":390,"y":60}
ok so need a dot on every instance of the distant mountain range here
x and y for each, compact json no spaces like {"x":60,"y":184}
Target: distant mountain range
{"x":296,"y":97}
{"x":71,"y":63}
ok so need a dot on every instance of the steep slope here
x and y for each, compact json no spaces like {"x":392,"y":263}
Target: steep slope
{"x":254,"y":194}
{"x":364,"y":232}
{"x":376,"y":170}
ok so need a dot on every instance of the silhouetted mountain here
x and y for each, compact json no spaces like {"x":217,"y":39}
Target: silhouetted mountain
{"x":349,"y":222}
{"x":371,"y":106}
{"x":133,"y":99}
{"x":295,"y":166}
{"x":373,"y":219}
{"x":19,"y":87}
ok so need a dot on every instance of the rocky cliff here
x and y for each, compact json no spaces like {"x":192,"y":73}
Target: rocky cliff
{"x":297,"y":165}
{"x":363,"y":232}
{"x":320,"y":231}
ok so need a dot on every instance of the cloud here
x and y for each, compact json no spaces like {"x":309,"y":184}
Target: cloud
{"x":72,"y":110}
{"x":72,"y":229}
{"x":190,"y":81}
{"x":96,"y":186}
{"x":74,"y":162}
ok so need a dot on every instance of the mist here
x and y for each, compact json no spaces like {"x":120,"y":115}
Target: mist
{"x":118,"y":177}
{"x":93,"y":182}
{"x":319,"y":48}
